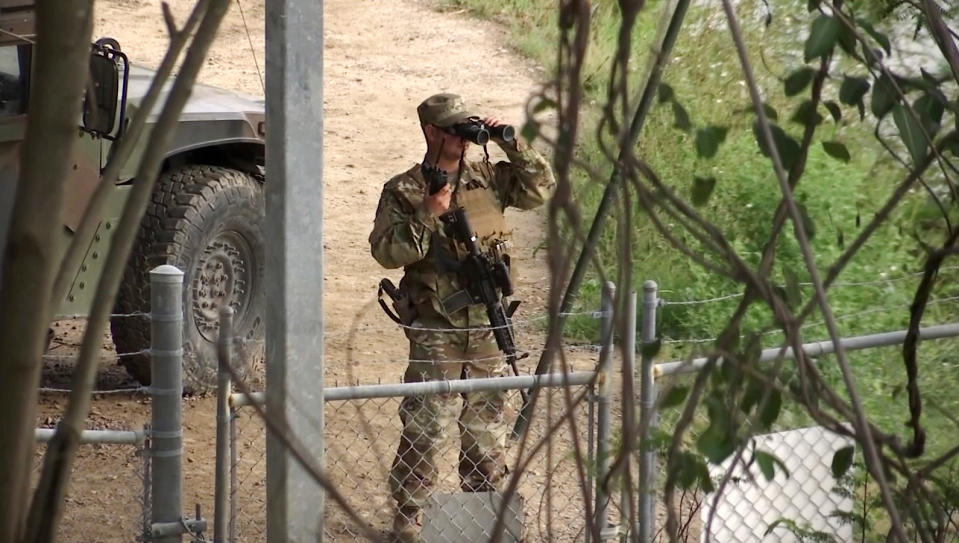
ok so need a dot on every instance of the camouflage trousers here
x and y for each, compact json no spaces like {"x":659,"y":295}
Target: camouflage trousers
{"x":481,"y":419}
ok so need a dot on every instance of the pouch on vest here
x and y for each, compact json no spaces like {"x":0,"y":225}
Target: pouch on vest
{"x":405,"y":309}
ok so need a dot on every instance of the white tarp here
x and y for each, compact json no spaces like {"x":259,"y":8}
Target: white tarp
{"x":750,"y":504}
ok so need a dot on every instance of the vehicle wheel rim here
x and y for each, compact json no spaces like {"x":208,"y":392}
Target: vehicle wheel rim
{"x":223,"y":276}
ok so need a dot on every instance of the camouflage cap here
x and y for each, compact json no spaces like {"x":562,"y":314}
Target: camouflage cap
{"x":443,"y":110}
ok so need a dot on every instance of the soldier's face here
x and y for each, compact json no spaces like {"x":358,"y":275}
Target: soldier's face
{"x":450,"y":145}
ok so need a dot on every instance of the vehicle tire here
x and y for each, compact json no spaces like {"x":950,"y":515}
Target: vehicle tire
{"x":208,"y":222}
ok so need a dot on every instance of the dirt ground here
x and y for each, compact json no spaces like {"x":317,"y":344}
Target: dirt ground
{"x":381,"y":58}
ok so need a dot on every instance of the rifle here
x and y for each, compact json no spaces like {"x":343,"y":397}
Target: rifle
{"x":484,"y":274}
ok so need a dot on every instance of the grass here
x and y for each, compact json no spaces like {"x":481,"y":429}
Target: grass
{"x":840,"y":197}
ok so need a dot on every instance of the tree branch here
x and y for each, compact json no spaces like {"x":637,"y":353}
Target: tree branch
{"x":61,"y":68}
{"x":911,"y":342}
{"x":872,"y":457}
{"x":47,"y":506}
{"x":941,"y":33}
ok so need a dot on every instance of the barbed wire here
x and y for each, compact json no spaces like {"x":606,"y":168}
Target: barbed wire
{"x":487,"y":328}
{"x":499,"y":356}
{"x":63,"y":317}
{"x":129,"y":390}
{"x":843,"y":284}
{"x":668,"y":340}
{"x":63,"y":357}
{"x":663,"y":302}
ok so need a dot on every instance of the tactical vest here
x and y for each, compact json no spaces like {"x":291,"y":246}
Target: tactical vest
{"x":478,"y":197}
{"x":484,"y":211}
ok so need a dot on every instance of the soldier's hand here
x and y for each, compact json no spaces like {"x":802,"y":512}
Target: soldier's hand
{"x":439,"y":203}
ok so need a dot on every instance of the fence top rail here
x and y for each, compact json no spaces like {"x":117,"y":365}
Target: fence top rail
{"x":819,"y":348}
{"x":454,"y":386}
{"x":113,"y":437}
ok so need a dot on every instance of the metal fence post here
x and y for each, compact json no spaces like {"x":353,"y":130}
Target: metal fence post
{"x":603,"y":411}
{"x":146,"y":507}
{"x":233,"y":474}
{"x":647,"y":418}
{"x":166,"y":437}
{"x":629,"y":414}
{"x":223,"y":445}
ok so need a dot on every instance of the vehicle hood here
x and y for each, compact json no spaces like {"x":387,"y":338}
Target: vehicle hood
{"x":206,"y":102}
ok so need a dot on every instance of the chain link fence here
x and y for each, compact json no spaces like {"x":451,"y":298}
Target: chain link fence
{"x":362,"y":435}
{"x":779,"y":487}
{"x":792,"y":480}
{"x":90,"y":507}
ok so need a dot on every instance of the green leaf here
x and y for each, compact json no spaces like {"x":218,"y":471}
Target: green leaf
{"x":788,"y":147}
{"x":681,"y":118}
{"x":930,"y":109}
{"x":752,"y":395}
{"x":880,"y":38}
{"x":767,"y":464}
{"x":665,"y":93}
{"x":852,"y":90}
{"x":870,"y":55}
{"x":837,"y":150}
{"x":649,"y":350}
{"x":716,"y":445}
{"x":806,"y":114}
{"x":770,"y":112}
{"x":953,"y":146}
{"x":884,"y":96}
{"x":771,"y":410}
{"x":675,"y":396}
{"x":705,"y":481}
{"x":842,"y":461}
{"x":822,"y":37}
{"x":718,"y":441}
{"x":847,"y":40}
{"x":813,"y":5}
{"x":708,"y":140}
{"x":687,"y":469}
{"x":834,"y":110}
{"x":807,"y":223}
{"x":797,"y":81}
{"x":530,"y":130}
{"x":773,"y":525}
{"x":910,"y":132}
{"x":702,"y":189}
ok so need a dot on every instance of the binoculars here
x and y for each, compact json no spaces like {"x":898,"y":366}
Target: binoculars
{"x":475,"y":130}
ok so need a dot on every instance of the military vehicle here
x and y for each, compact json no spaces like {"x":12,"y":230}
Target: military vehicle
{"x":206,"y":213}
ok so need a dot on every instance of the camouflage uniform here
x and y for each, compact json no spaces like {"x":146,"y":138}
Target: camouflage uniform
{"x":405,"y":234}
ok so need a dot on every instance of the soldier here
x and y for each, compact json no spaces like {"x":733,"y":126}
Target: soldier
{"x":449,"y":342}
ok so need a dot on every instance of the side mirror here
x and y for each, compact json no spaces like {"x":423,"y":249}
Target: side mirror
{"x":103,"y":95}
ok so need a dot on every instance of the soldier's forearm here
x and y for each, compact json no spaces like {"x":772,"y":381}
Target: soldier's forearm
{"x":401,"y":244}
{"x":533,"y":177}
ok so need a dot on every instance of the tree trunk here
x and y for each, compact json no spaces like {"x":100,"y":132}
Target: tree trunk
{"x":47,"y":507}
{"x":30,"y":255}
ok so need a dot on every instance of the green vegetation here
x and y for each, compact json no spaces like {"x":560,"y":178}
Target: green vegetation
{"x":699,"y":139}
{"x":705,"y":89}
{"x":705,"y":86}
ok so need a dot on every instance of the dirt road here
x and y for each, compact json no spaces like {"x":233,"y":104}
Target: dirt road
{"x":381,"y":58}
